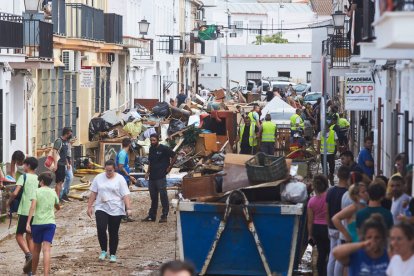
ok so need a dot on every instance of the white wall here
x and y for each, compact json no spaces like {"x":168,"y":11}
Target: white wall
{"x":269,"y":59}
{"x":318,"y":35}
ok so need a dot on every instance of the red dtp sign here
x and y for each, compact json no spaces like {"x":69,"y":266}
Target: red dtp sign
{"x":359,"y":93}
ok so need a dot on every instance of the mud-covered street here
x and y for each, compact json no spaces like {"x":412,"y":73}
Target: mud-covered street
{"x":142,"y":246}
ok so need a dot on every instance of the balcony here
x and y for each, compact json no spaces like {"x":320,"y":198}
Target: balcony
{"x":142,"y":49}
{"x":340,"y":50}
{"x":84,"y":22}
{"x":38,"y":39}
{"x":113,"y":28}
{"x":11,"y":30}
{"x":394,"y":30}
{"x":59,"y":17}
{"x":170,"y":44}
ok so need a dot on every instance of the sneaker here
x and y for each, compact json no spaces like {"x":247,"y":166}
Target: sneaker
{"x":112,"y":259}
{"x":127,"y":219}
{"x":66,"y":198}
{"x":102,"y":256}
{"x":163,"y":220}
{"x":148,"y":219}
{"x":28,"y":264}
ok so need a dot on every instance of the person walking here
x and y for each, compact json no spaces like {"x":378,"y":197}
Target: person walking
{"x":247,"y":137}
{"x":317,"y":226}
{"x":365,"y":159}
{"x":333,"y":205}
{"x":61,"y":147}
{"x":369,"y":256}
{"x":28,"y":183}
{"x":376,"y":193}
{"x":268,"y":136}
{"x":402,"y":250}
{"x":44,"y":224}
{"x":331,"y":144}
{"x":400,"y":200}
{"x":68,"y":174}
{"x":161,"y":160}
{"x":296,"y":122}
{"x":110,"y":194}
{"x":122,"y":162}
{"x":16,"y":165}
{"x":122,"y":167}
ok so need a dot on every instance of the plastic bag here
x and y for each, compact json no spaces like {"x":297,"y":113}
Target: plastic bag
{"x":175,"y":126}
{"x":295,"y":192}
{"x":161,"y":109}
{"x":134,"y":129}
{"x":97,"y":125}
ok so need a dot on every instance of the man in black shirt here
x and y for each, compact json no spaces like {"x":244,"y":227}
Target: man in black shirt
{"x":61,"y":146}
{"x":161,"y":159}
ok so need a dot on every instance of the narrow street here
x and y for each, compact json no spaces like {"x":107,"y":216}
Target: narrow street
{"x":143,"y":247}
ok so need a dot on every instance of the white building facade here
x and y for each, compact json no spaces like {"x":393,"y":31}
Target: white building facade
{"x":247,"y":53}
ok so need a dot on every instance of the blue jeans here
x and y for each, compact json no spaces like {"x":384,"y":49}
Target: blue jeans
{"x":68,"y":181}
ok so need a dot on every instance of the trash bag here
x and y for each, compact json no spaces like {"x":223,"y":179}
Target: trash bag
{"x":295,"y":192}
{"x":133,"y":129}
{"x":97,"y":125}
{"x":175,"y":126}
{"x":161,"y":109}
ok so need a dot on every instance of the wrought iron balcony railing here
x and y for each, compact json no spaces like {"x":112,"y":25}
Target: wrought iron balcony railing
{"x":11,"y":33}
{"x":144,"y":51}
{"x":170,"y":44}
{"x":38,"y":38}
{"x":113,"y":28}
{"x":59,"y":17}
{"x":84,"y":22}
{"x":340,"y":50}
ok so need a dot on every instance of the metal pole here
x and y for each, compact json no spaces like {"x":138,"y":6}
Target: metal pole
{"x":227,"y":54}
{"x":323,"y":117}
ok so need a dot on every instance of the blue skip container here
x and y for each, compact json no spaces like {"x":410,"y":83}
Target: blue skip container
{"x":246,"y":239}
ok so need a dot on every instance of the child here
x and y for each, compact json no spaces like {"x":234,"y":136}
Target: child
{"x":44,"y":225}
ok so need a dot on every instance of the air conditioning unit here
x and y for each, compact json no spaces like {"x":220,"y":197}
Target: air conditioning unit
{"x":68,"y":58}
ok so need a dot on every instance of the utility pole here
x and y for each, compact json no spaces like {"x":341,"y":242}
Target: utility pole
{"x":227,"y":50}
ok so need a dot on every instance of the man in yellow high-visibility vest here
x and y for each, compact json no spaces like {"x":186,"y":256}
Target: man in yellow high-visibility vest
{"x":247,"y":137}
{"x":268,"y":136}
{"x":296,"y":122}
{"x":254,"y":115}
{"x":331,"y":143}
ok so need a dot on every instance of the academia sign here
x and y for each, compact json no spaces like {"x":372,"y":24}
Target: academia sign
{"x":359,"y":93}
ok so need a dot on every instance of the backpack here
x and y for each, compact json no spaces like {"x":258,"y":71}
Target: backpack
{"x":14,"y":205}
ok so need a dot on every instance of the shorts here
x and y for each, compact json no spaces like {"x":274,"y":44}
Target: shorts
{"x":43,"y":233}
{"x":21,"y":224}
{"x":60,"y":174}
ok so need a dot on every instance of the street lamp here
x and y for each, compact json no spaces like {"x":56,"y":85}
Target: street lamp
{"x":338,"y":19}
{"x":143,"y":27}
{"x":32,"y":6}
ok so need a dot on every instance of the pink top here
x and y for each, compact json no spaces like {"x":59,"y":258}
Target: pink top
{"x":318,"y":205}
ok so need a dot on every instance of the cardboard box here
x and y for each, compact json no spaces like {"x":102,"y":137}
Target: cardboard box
{"x":206,"y":144}
{"x":201,"y":186}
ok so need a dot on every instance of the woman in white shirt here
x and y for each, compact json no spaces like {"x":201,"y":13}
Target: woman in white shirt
{"x":110,"y":193}
{"x":402,"y":250}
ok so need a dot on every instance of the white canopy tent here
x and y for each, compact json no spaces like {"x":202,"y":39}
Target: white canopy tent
{"x":279,"y":110}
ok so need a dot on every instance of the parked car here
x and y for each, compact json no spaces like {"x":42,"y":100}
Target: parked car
{"x":282,"y":85}
{"x":312,"y":97}
{"x":302,"y":89}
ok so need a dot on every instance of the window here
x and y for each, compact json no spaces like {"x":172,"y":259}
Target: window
{"x":308,"y":76}
{"x":102,"y":89}
{"x":255,"y":76}
{"x":284,"y":74}
{"x":255,"y":26}
{"x":239,"y":27}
